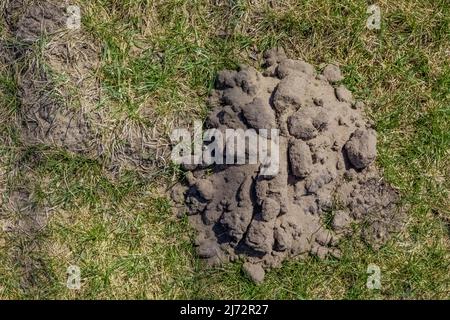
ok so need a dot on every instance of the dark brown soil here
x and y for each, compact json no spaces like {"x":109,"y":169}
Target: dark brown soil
{"x":327,"y":180}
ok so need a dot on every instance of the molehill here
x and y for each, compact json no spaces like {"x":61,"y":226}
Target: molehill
{"x":328,"y":186}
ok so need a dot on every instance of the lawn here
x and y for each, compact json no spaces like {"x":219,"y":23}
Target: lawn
{"x":163,"y":56}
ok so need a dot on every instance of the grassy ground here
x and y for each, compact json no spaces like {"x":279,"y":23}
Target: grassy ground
{"x":164,"y":55}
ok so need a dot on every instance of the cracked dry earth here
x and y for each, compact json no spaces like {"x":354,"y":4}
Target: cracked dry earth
{"x":327,"y":183}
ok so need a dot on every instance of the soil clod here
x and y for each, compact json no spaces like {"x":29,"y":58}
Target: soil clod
{"x":327,"y":151}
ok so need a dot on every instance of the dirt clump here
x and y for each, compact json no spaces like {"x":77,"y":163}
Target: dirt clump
{"x":61,"y":99}
{"x":327,"y":181}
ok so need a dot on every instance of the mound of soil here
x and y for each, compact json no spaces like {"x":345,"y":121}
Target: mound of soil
{"x":327,"y":181}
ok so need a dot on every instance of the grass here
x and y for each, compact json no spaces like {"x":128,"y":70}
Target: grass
{"x":163,"y":56}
